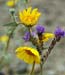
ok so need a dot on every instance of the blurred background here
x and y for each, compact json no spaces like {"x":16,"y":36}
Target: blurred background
{"x":53,"y":15}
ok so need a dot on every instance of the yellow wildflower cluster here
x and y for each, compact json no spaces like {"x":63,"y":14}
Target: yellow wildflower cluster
{"x":29,"y":17}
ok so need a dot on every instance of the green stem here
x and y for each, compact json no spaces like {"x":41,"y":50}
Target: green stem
{"x":6,"y":49}
{"x":10,"y":38}
{"x":31,"y":73}
{"x":44,"y":57}
{"x":41,"y":66}
{"x":10,"y":35}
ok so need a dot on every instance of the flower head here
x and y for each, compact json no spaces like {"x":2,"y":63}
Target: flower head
{"x":28,"y":54}
{"x":26,"y":36}
{"x":40,"y":29}
{"x":11,"y":3}
{"x":47,"y":36}
{"x":4,"y":38}
{"x":29,"y":17}
{"x":59,"y":32}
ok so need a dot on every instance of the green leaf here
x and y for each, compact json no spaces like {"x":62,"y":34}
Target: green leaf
{"x":10,"y":24}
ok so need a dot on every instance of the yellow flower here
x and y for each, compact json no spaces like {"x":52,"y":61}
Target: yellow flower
{"x":28,"y":54}
{"x":29,"y":17}
{"x":47,"y":36}
{"x":11,"y":3}
{"x":4,"y":38}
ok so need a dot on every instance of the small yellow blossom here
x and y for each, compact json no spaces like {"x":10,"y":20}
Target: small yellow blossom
{"x":11,"y":3}
{"x":4,"y":38}
{"x":47,"y":36}
{"x":28,"y":54}
{"x":29,"y":17}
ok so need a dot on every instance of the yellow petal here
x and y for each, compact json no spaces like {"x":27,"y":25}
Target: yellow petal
{"x":45,"y":39}
{"x":48,"y":35}
{"x":38,"y":14}
{"x":29,"y":10}
{"x":34,"y":11}
{"x":24,"y":12}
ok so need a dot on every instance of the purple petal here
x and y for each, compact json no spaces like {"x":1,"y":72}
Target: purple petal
{"x":26,"y":36}
{"x":59,"y":32}
{"x":40,"y":29}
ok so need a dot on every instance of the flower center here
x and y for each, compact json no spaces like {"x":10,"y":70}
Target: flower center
{"x":30,"y":18}
{"x":29,"y":52}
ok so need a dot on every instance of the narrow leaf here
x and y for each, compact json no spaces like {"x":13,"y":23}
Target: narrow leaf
{"x":10,"y":24}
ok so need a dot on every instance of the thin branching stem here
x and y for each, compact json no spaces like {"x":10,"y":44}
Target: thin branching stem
{"x":44,"y":57}
{"x":10,"y":35}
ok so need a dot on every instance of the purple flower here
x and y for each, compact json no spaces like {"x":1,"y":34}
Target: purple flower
{"x":26,"y":36}
{"x":59,"y":32}
{"x":40,"y":29}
